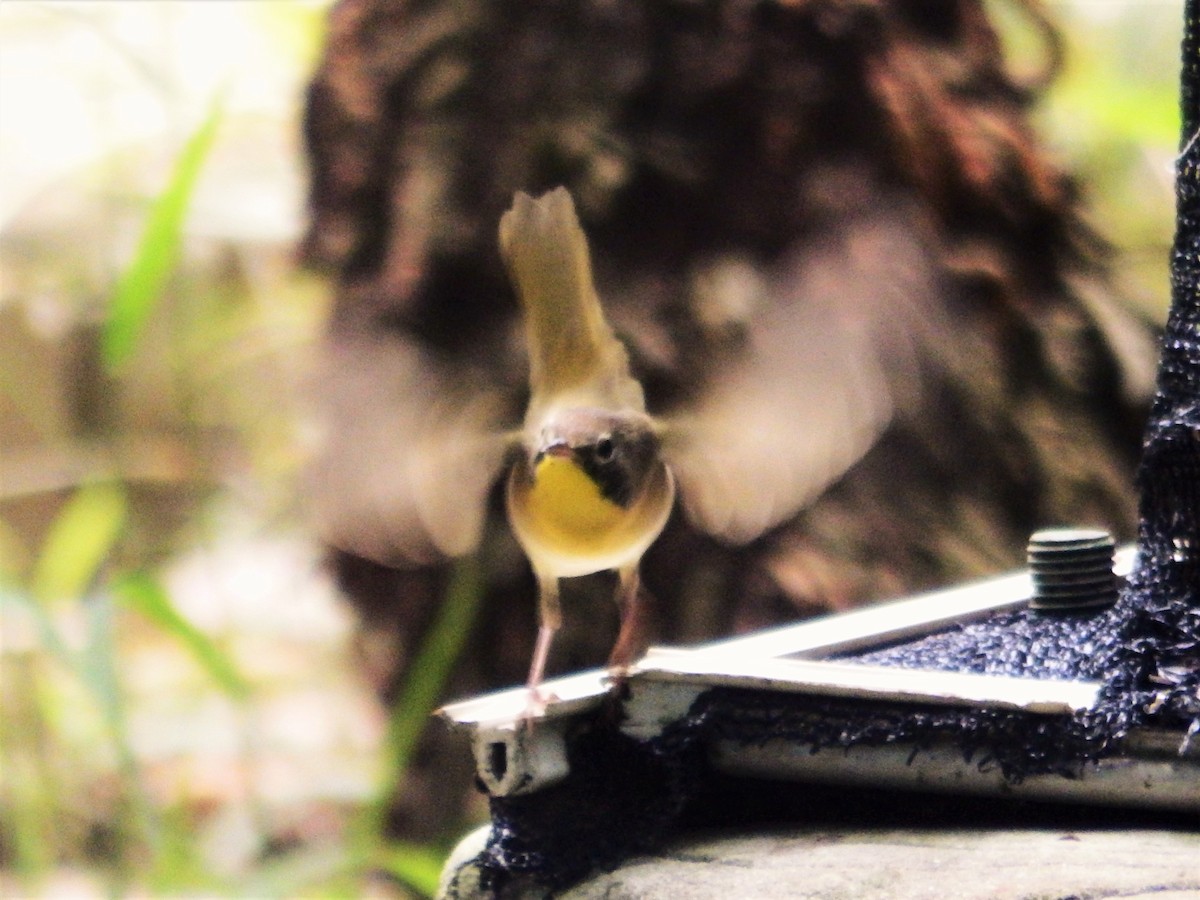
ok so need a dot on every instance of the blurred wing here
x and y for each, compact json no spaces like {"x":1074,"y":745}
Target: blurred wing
{"x":574,"y":357}
{"x":408,"y":452}
{"x":830,"y":351}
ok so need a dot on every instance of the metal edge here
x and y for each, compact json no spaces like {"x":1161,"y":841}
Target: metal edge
{"x":1048,"y":696}
{"x":569,"y":695}
{"x":1127,"y":781}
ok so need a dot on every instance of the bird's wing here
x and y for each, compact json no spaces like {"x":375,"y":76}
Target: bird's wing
{"x":409,"y":449}
{"x":829,"y":351}
{"x":574,"y":357}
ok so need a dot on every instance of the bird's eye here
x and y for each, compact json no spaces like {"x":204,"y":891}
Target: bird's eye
{"x":605,"y":449}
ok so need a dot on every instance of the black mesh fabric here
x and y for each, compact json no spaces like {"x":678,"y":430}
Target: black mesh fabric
{"x":623,"y":796}
{"x":1154,"y":669}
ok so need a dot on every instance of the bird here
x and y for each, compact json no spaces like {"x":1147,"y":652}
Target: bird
{"x":592,"y":472}
{"x":590,"y":490}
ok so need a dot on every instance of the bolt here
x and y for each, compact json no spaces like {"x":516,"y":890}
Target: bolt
{"x":1072,"y":569}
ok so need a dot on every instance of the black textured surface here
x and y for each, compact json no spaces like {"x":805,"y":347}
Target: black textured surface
{"x":1153,"y":670}
{"x":1023,"y":643}
{"x":623,"y":796}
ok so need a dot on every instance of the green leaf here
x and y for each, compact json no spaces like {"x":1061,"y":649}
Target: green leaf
{"x":418,"y":867}
{"x":100,"y":670}
{"x":50,"y":641}
{"x":430,"y":669}
{"x":80,"y":539}
{"x":422,"y":687}
{"x":145,"y":594}
{"x":98,"y":666}
{"x":142,"y":283}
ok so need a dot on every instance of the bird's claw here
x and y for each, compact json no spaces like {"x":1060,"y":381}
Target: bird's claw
{"x":536,"y":701}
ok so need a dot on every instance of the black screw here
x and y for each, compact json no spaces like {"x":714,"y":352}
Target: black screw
{"x":1072,"y":569}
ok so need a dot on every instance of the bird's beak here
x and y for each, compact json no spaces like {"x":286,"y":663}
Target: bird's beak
{"x":559,"y":448}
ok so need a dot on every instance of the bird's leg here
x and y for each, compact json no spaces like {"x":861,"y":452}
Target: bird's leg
{"x":634,"y":636}
{"x":550,"y":619}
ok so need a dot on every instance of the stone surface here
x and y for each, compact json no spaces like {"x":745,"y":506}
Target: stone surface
{"x":910,"y":864}
{"x":960,"y":863}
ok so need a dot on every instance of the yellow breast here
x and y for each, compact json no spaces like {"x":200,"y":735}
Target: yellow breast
{"x":568,"y":527}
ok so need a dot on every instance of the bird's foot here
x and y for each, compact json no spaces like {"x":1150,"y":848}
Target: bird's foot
{"x":537,"y":698}
{"x":618,"y":676}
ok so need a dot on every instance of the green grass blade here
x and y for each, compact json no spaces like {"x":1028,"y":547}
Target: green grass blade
{"x":430,"y":669}
{"x":100,"y":669}
{"x":145,"y":594}
{"x":144,"y":279}
{"x":80,"y":539}
{"x":422,"y":687}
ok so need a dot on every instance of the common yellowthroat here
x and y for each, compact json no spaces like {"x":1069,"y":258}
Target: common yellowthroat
{"x":797,"y":387}
{"x":590,"y":490}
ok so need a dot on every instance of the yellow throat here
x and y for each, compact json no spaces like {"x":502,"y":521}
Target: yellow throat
{"x":566,"y":523}
{"x":567,"y":501}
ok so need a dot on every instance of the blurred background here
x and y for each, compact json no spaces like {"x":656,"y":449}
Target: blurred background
{"x":180,"y":708}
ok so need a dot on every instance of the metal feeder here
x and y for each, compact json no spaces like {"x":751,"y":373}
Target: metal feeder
{"x":1071,"y":571}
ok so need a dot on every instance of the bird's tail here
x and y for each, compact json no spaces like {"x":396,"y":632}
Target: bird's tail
{"x":573,"y":354}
